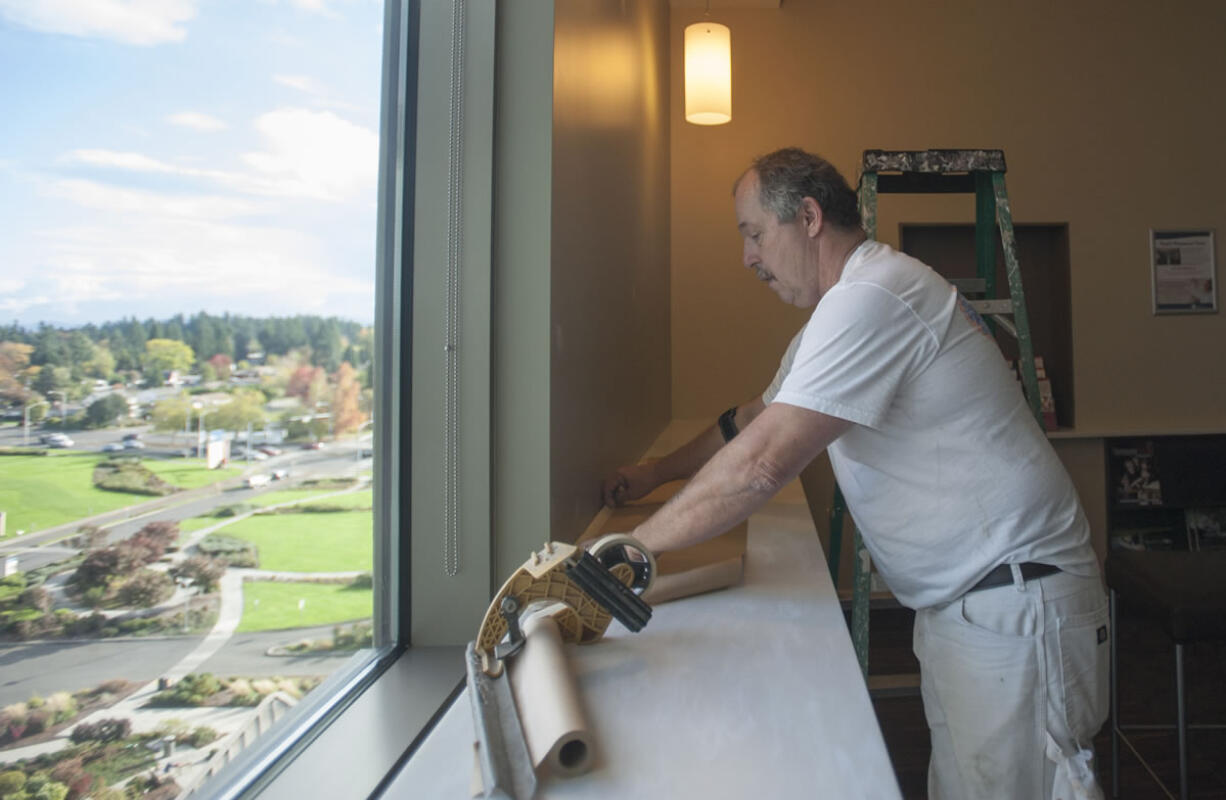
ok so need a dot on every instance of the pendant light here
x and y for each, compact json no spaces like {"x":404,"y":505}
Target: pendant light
{"x":708,"y":73}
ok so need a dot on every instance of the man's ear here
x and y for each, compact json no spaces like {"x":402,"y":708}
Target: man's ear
{"x":812,"y":217}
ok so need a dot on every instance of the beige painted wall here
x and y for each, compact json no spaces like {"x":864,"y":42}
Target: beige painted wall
{"x":609,"y":310}
{"x":1110,"y":115}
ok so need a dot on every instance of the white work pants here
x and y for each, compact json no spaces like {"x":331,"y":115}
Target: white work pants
{"x":1015,"y":683}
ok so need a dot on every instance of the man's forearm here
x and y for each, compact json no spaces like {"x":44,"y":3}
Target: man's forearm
{"x":688,"y":459}
{"x":741,"y":477}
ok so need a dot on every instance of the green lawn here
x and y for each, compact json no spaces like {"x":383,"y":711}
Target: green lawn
{"x":273,"y":605}
{"x":189,"y":473}
{"x":361,"y":499}
{"x":43,"y":491}
{"x":336,"y":542}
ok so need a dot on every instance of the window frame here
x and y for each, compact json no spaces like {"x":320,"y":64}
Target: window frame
{"x":333,"y":724}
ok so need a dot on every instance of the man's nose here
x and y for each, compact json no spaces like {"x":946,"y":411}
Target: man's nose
{"x":749,"y":256}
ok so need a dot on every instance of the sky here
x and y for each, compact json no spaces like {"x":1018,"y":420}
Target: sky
{"x":175,"y":156}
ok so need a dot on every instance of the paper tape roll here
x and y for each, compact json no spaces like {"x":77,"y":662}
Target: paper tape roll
{"x":547,"y":698}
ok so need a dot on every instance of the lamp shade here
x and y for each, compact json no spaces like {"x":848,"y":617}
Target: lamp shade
{"x":708,"y":73}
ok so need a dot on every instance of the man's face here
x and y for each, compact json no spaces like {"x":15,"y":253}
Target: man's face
{"x":778,"y":252}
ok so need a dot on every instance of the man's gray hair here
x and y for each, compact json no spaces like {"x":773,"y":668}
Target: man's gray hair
{"x":787,"y":176}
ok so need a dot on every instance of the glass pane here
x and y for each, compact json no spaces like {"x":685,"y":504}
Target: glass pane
{"x":187,"y":234}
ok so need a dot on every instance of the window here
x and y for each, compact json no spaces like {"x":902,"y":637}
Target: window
{"x":188,"y":313}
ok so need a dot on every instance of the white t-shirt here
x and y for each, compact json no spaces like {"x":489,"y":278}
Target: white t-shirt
{"x":946,"y":472}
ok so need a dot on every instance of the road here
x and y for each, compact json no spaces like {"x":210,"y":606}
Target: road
{"x":40,"y":668}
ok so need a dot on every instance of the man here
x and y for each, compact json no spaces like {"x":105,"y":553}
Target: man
{"x":963,"y":504}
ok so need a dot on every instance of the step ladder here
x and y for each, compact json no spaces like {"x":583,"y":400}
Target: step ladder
{"x":978,"y":172}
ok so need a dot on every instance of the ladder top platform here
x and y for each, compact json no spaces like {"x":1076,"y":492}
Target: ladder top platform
{"x":938,"y":161}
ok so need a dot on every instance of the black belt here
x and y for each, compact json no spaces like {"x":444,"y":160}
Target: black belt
{"x":1003,"y":574}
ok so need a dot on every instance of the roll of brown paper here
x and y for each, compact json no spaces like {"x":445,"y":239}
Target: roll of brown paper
{"x":555,"y":727}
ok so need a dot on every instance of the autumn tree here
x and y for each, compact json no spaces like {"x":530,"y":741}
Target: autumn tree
{"x":346,"y":395}
{"x":222,"y":365}
{"x":14,"y":366}
{"x":308,"y":383}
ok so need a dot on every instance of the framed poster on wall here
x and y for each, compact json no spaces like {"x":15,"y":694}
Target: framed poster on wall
{"x":1184,"y":271}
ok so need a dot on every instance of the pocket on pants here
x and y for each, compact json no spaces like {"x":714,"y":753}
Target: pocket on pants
{"x":1085,"y":659}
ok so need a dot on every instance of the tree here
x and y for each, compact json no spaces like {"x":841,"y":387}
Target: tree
{"x":308,"y":383}
{"x":168,"y":355}
{"x":100,"y":364}
{"x":53,"y":379}
{"x":170,"y":413}
{"x":14,"y":363}
{"x":106,"y":411}
{"x":346,"y":409}
{"x":223,"y":365}
{"x":246,"y":407}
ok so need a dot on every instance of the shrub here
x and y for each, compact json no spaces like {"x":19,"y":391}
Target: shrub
{"x":234,"y":510}
{"x":86,"y":626}
{"x":11,"y":782}
{"x":363,"y":581}
{"x":62,"y":706}
{"x":192,"y":690}
{"x":97,"y":569}
{"x":51,"y":790}
{"x":146,"y":588}
{"x":81,"y":786}
{"x":38,"y":721}
{"x":130,"y":476}
{"x":233,"y":552}
{"x":35,"y":597}
{"x":202,"y":571}
{"x":200,"y":736}
{"x":67,"y":770}
{"x":104,"y":730}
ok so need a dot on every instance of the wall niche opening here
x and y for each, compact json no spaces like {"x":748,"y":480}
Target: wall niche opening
{"x":1043,"y":252}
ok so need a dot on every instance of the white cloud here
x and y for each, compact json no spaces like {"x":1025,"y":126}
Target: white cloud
{"x":316,"y":154}
{"x":302,"y":83}
{"x":197,"y":121}
{"x":312,"y":155}
{"x":138,"y":202}
{"x":140,"y":22}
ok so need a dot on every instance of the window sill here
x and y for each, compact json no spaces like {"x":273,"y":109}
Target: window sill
{"x":368,"y":739}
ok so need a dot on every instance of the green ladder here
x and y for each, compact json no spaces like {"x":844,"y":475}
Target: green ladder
{"x":978,"y":172}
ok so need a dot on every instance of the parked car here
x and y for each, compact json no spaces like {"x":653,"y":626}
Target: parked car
{"x":131,"y":437}
{"x":112,"y":447}
{"x":240,"y":454}
{"x":133,"y":444}
{"x":257,"y":480}
{"x":57,"y":440}
{"x":313,"y":446}
{"x":269,"y":450}
{"x":280,"y":474}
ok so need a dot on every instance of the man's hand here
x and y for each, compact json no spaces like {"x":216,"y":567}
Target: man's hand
{"x":628,"y":483}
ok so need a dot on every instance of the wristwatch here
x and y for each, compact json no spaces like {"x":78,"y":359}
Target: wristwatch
{"x":727,"y":424}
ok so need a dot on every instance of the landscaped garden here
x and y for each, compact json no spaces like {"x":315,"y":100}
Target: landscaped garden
{"x":42,"y":491}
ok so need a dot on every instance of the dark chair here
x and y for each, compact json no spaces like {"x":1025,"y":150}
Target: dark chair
{"x":1186,"y":591}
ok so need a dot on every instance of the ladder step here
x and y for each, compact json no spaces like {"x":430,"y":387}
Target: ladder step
{"x":969,"y":286}
{"x":903,"y":684}
{"x":986,"y":307}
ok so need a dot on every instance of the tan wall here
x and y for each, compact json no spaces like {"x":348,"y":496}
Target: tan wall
{"x":609,"y":307}
{"x":1110,"y":117}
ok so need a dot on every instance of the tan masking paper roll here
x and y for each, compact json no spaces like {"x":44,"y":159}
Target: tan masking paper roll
{"x":698,"y":580}
{"x":548,"y":701}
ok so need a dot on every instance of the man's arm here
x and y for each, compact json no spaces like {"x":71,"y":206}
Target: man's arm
{"x":741,"y":476}
{"x":632,"y":482}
